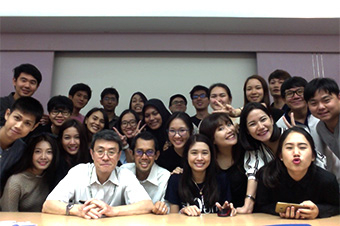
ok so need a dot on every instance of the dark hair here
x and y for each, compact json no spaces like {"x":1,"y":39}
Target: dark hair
{"x":275,"y":168}
{"x":144,"y":136}
{"x":108,"y":135}
{"x":197,"y":88}
{"x":89,"y":113}
{"x":80,"y":87}
{"x":144,"y":99}
{"x":209,"y":126}
{"x":263,"y":82}
{"x":224,"y":86}
{"x":28,"y":69}
{"x":25,"y":161}
{"x":60,"y":102}
{"x":327,"y":85}
{"x":175,"y":96}
{"x":119,"y":122}
{"x":109,"y":90}
{"x":29,"y":105}
{"x":292,"y":83}
{"x":279,"y":74}
{"x":184,"y":117}
{"x":82,"y":155}
{"x":186,"y":184}
{"x":246,"y":140}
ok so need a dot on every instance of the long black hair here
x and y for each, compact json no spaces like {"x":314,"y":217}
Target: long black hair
{"x":274,"y":169}
{"x":186,"y":184}
{"x":209,"y":126}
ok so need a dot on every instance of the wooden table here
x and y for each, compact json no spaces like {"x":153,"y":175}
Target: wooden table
{"x":170,"y":219}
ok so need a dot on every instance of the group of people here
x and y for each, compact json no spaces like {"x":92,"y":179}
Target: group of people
{"x":150,"y":159}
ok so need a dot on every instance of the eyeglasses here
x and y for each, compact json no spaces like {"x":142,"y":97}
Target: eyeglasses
{"x":149,"y":153}
{"x":64,"y":113}
{"x":203,"y":95}
{"x":109,"y":98}
{"x":177,"y":102}
{"x":290,"y":93}
{"x":110,"y":153}
{"x":131,"y":123}
{"x":181,"y":132}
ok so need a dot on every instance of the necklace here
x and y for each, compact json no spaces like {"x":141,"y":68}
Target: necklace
{"x":199,"y":189}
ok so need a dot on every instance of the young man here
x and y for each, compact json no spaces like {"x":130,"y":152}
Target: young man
{"x":80,"y":94}
{"x":200,"y":100}
{"x":323,"y":97}
{"x":109,"y":98}
{"x":178,"y":102}
{"x":275,"y":80}
{"x":59,"y":110}
{"x":292,"y":93}
{"x":152,"y":177}
{"x":100,"y":188}
{"x":26,"y":81}
{"x":22,"y":118}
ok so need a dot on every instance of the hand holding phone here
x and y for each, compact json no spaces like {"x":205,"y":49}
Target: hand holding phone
{"x":282,"y":206}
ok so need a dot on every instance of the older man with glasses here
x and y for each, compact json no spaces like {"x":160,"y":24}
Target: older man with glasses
{"x":98,"y":189}
{"x":151,"y":176}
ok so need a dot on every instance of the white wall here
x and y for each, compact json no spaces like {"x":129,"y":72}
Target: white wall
{"x":157,"y":75}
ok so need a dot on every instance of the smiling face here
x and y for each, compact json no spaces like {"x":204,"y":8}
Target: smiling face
{"x":70,"y":140}
{"x":25,"y":85}
{"x":325,"y":106}
{"x":178,"y":104}
{"x":59,"y":116}
{"x":79,"y":99}
{"x":200,"y":100}
{"x":152,"y":118}
{"x":128,"y":125}
{"x":225,"y":135}
{"x":297,"y":101}
{"x":144,"y":162}
{"x":42,"y":157}
{"x":199,"y":157}
{"x":178,"y":133}
{"x":254,"y":91}
{"x":95,"y":122}
{"x":259,"y":125}
{"x":219,"y":94}
{"x":297,"y":154}
{"x":137,"y":103}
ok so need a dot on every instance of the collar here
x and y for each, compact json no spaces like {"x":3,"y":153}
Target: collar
{"x":152,"y":178}
{"x":113,"y":178}
{"x":298,"y":123}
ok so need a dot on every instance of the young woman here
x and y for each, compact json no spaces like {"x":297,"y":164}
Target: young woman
{"x":179,"y":128}
{"x":259,"y":136}
{"x":95,"y":120}
{"x":73,"y":145}
{"x":199,"y":188}
{"x":155,"y":117}
{"x":137,"y":102}
{"x":219,"y":128}
{"x":27,"y":189}
{"x":255,"y":89}
{"x":127,"y":127}
{"x":294,"y":178}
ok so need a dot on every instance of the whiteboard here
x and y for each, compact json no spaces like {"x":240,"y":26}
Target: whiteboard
{"x":156,"y":74}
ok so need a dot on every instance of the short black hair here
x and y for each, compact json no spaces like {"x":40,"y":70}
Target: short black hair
{"x":28,"y":69}
{"x":109,"y":90}
{"x":80,"y":87}
{"x":197,"y":88}
{"x":144,"y":136}
{"x":326,"y":84}
{"x":279,"y":74}
{"x":108,"y":135}
{"x":29,"y":105}
{"x":292,"y":82}
{"x":60,"y":102}
{"x":177,"y":95}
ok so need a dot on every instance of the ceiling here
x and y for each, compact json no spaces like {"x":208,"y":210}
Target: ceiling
{"x":181,"y":25}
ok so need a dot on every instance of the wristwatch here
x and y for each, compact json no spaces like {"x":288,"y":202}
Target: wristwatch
{"x":68,"y":208}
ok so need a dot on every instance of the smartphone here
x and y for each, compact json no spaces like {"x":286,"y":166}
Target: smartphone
{"x":282,"y":206}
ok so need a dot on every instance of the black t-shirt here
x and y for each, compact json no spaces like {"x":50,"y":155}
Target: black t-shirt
{"x":195,"y":120}
{"x":238,"y":184}
{"x":172,"y":194}
{"x":169,"y":159}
